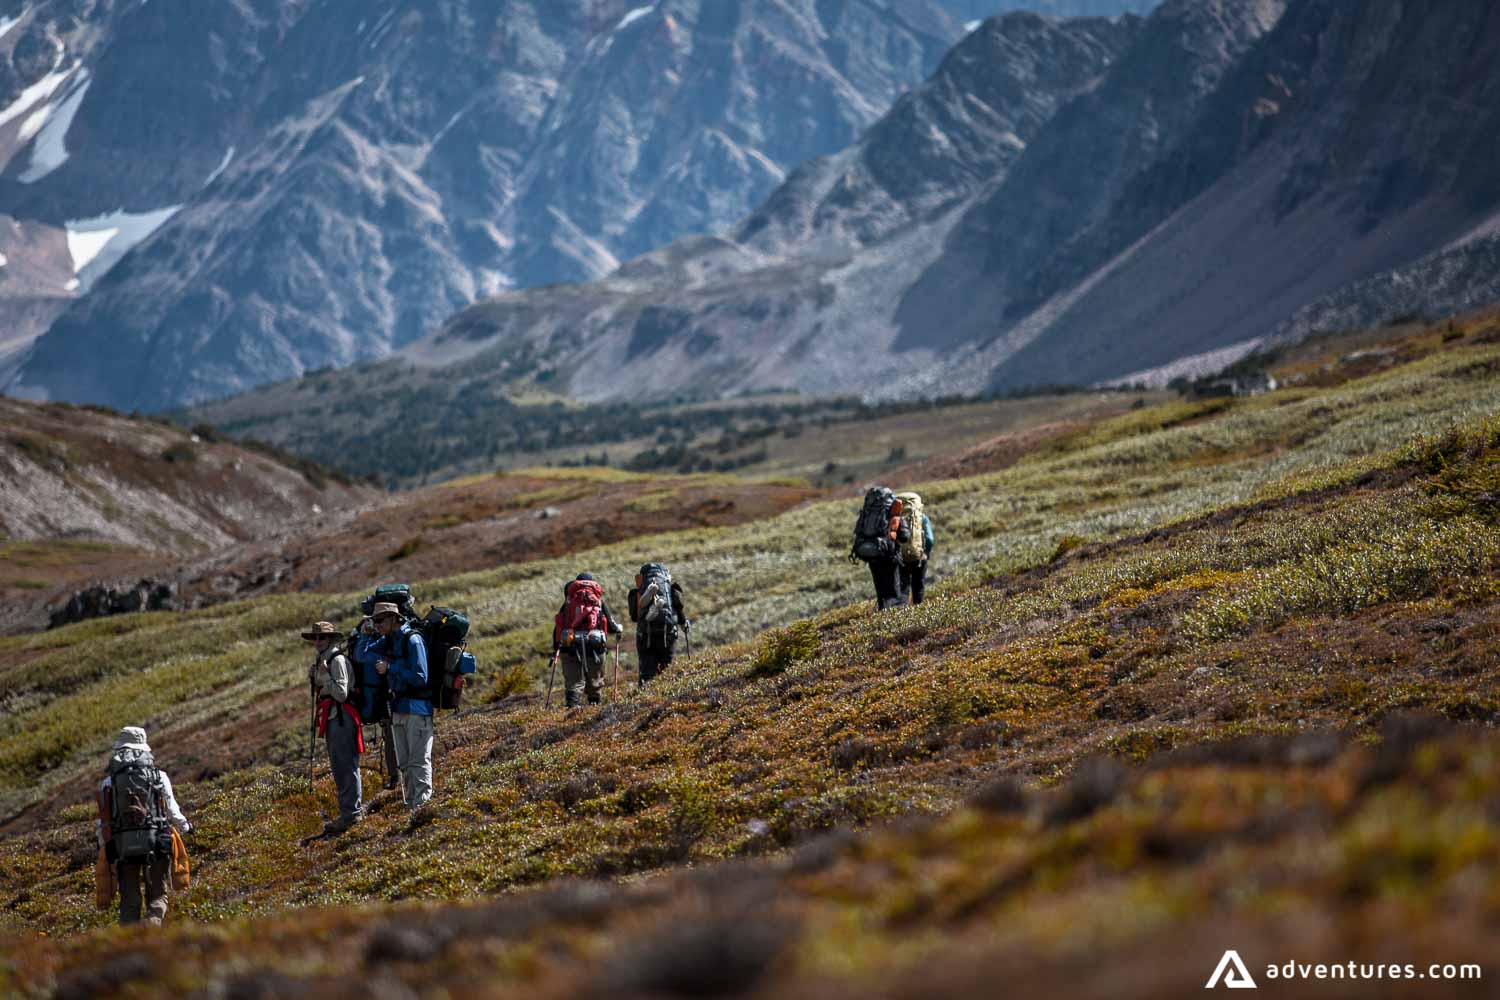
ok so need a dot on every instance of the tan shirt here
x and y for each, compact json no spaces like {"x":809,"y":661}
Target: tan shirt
{"x":331,"y":675}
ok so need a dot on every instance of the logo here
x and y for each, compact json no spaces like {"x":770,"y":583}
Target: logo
{"x":1232,"y":971}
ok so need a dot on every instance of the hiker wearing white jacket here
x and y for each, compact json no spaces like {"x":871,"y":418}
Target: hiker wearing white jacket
{"x":136,"y":805}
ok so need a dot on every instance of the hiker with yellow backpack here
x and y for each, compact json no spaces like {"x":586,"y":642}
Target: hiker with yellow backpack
{"x":915,"y":550}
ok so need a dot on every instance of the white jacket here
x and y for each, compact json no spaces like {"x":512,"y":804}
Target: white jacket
{"x":174,"y":812}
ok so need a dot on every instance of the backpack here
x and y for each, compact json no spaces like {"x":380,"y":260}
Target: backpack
{"x":582,"y":616}
{"x":137,"y":816}
{"x":374,"y":699}
{"x":444,"y":632}
{"x":872,"y":530}
{"x":398,"y":594}
{"x":655,"y":617}
{"x":914,"y":549}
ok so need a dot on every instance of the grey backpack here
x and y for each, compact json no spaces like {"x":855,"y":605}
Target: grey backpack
{"x":137,"y":817}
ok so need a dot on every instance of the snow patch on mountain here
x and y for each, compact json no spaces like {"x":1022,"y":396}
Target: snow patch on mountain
{"x":39,"y":91}
{"x":634,"y":16}
{"x":7,"y":23}
{"x":223,"y":166}
{"x":50,"y":126}
{"x":97,"y":244}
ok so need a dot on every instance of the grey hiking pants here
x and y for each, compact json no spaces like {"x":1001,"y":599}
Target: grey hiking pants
{"x":388,"y":748}
{"x":343,"y":760}
{"x":583,"y":677}
{"x":413,"y":738}
{"x":133,"y":878}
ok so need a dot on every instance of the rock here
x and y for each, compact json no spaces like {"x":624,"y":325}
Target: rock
{"x":104,"y":599}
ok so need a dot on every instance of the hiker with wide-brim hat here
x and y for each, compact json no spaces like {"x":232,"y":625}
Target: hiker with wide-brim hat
{"x":337,"y":719}
{"x":137,"y":813}
{"x":397,"y":654}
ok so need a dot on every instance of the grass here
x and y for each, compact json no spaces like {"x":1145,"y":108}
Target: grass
{"x":1118,"y":595}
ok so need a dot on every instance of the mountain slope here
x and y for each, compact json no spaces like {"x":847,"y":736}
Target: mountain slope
{"x":769,"y":309}
{"x":1224,"y":166}
{"x":1100,"y":608}
{"x":319,"y":183}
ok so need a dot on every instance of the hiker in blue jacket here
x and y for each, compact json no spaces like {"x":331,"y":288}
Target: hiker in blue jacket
{"x":398,"y":654}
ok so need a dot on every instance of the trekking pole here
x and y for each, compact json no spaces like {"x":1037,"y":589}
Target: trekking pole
{"x":551,"y":673}
{"x":312,"y":734}
{"x":617,"y":668}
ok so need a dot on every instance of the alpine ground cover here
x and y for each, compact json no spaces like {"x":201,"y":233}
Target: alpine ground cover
{"x":1198,"y":603}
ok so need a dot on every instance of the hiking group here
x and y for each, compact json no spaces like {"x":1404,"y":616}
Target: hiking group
{"x":397,"y":668}
{"x":893,"y":534}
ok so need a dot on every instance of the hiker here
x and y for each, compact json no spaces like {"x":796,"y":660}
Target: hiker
{"x":879,"y":533}
{"x":371,"y":695}
{"x":137,"y":817}
{"x":655,"y":605}
{"x":578,"y":636}
{"x":916,"y":550}
{"x":397,"y":655}
{"x":338,"y":720}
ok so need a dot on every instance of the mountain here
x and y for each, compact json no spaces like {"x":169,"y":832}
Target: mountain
{"x":1226,"y":165}
{"x":1349,"y":143}
{"x":321,"y":181}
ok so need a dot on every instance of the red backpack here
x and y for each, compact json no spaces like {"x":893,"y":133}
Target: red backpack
{"x":583,"y":612}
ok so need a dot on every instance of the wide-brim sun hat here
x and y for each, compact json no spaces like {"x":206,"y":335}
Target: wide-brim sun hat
{"x":384,"y":608}
{"x":131,"y":738}
{"x":321,"y":630}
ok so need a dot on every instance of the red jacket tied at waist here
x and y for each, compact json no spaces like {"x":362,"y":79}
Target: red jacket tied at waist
{"x":326,"y":705}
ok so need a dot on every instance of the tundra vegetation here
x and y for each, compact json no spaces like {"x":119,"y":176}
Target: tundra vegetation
{"x":1195,"y":676}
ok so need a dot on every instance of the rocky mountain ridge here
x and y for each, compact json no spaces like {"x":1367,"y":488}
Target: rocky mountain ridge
{"x":1237,"y":163}
{"x":323,"y":181}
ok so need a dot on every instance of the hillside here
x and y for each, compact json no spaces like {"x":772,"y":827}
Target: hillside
{"x":1158,"y":706}
{"x":91,"y":494}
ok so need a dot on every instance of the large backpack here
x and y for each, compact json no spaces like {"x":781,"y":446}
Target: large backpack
{"x":872,"y":530}
{"x":655,"y":617}
{"x":582,"y":618}
{"x":137,"y":815}
{"x":444,"y":632}
{"x":914,"y":549}
{"x":398,"y":594}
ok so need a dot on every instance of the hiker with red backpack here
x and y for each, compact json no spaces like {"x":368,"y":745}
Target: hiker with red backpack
{"x":139,"y":829}
{"x":396,"y":653}
{"x":879,"y":533}
{"x":579,"y":638}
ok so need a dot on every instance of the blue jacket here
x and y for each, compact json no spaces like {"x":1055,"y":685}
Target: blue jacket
{"x":408,"y":672}
{"x":926,"y":535}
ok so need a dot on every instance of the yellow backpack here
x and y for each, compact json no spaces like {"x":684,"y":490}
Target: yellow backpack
{"x":912,"y":550}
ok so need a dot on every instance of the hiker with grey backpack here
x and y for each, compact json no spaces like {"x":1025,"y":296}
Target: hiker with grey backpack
{"x":879,"y":533}
{"x":138,"y":815}
{"x":655,"y":605}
